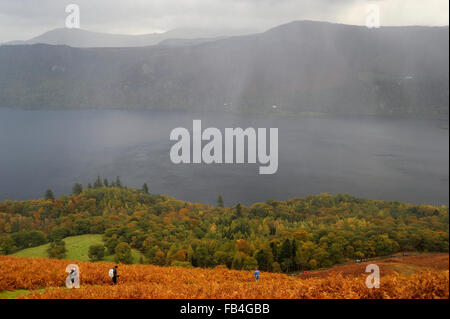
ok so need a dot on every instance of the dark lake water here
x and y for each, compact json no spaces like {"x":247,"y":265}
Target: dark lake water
{"x":377,"y":158}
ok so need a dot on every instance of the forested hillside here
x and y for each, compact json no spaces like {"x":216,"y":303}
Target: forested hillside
{"x":298,"y":234}
{"x":299,"y":67}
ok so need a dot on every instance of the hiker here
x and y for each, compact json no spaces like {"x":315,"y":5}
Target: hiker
{"x":256,"y":274}
{"x":113,"y":274}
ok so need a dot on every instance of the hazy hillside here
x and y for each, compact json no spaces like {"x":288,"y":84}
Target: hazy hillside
{"x":299,"y":67}
{"x":88,"y":39}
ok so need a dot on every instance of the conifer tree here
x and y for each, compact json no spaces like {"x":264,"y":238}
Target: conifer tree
{"x":49,"y":194}
{"x":220,"y":201}
{"x":77,"y":189}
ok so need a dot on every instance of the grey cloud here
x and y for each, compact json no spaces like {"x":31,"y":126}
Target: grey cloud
{"x":23,"y":19}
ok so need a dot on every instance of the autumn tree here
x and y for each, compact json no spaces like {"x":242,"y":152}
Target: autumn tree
{"x":243,"y":246}
{"x":276,"y":267}
{"x":181,"y":255}
{"x":160,"y":258}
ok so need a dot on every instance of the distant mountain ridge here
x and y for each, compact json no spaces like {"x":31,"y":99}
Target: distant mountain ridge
{"x":80,"y":38}
{"x":298,"y":67}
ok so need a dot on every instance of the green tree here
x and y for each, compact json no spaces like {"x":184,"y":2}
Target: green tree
{"x":336,"y":252}
{"x":191,"y":254}
{"x":49,"y":194}
{"x":111,"y":245}
{"x":145,"y":188}
{"x":286,"y":250}
{"x":264,"y":258}
{"x":123,"y":253}
{"x":276,"y":267}
{"x":98,"y":182}
{"x":249,"y":263}
{"x":274,"y":248}
{"x":77,"y":189}
{"x":287,"y":264}
{"x":57,"y":249}
{"x":312,"y":264}
{"x":96,"y":252}
{"x":177,"y":263}
{"x":36,"y":238}
{"x":59,"y":234}
{"x":6,"y":246}
{"x":24,"y":239}
{"x":204,"y":255}
{"x":223,"y":258}
{"x":238,"y":210}
{"x":220,"y":201}
{"x":20,"y":239}
{"x":118,"y":182}
{"x":304,"y":254}
{"x":105,"y":182}
{"x":237,"y":261}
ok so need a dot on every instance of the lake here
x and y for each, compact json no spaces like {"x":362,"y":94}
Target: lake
{"x":396,"y":159}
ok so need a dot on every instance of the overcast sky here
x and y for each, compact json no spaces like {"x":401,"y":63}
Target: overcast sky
{"x":24,"y":19}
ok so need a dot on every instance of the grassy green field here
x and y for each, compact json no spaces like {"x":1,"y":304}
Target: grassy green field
{"x":13,"y":294}
{"x":77,"y":249}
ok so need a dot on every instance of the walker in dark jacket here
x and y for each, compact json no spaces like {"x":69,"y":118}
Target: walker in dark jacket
{"x":115,"y":275}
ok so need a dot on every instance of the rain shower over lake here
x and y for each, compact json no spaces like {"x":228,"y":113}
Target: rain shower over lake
{"x":398,"y":159}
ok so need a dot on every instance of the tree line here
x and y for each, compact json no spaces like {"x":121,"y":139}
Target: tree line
{"x":281,"y":236}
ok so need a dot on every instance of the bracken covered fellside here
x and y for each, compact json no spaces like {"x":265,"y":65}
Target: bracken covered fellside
{"x":146,"y":281}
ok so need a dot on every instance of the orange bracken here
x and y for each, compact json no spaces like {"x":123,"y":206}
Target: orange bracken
{"x":147,"y":281}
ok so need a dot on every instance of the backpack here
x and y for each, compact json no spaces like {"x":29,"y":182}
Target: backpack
{"x":111,"y":273}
